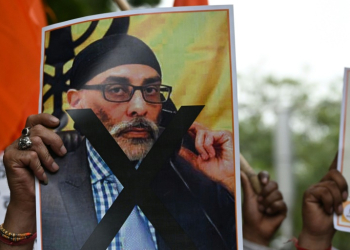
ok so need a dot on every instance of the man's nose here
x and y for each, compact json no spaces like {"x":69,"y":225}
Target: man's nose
{"x":137,"y":105}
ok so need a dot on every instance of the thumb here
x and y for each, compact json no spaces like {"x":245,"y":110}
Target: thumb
{"x":189,"y":156}
{"x":264,"y":177}
{"x":248,"y":191}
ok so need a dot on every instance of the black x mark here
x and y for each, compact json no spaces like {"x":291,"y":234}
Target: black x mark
{"x":136,"y":182}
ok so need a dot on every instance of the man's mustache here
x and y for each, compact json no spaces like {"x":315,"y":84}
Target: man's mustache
{"x":137,"y":122}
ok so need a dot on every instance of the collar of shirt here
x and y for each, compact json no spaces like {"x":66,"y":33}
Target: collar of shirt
{"x":99,"y":169}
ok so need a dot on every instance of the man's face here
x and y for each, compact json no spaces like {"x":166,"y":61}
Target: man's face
{"x":133,"y":124}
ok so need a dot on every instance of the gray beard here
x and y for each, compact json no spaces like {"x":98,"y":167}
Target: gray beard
{"x":135,"y":148}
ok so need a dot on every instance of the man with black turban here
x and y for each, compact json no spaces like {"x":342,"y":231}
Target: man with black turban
{"x":119,"y":78}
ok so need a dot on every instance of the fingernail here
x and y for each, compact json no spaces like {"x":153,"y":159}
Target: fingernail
{"x":264,"y":180}
{"x":340,"y":209}
{"x":54,"y":166}
{"x":54,"y":119}
{"x":345,"y":195}
{"x":63,"y":149}
{"x":45,"y":181}
{"x":204,"y":157}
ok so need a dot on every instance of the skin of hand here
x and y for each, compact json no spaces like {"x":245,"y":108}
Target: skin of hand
{"x":22,"y":166}
{"x":263,"y":213}
{"x":320,"y":202}
{"x":215,"y":156}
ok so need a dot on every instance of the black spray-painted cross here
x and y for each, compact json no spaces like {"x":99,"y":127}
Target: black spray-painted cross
{"x":136,"y":183}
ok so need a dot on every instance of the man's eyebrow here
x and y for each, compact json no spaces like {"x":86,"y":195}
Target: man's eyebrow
{"x":152,"y":80}
{"x":116,"y":79}
{"x":125,"y":80}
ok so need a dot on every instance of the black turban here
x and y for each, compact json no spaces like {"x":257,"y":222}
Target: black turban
{"x":109,"y":52}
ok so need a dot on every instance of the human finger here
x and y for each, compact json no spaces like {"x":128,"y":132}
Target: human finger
{"x":270,"y":187}
{"x":15,"y":160}
{"x":336,"y":195}
{"x":45,"y":158}
{"x":189,"y":156}
{"x":264,"y":177}
{"x":208,"y":144}
{"x":269,"y":200}
{"x":246,"y":187}
{"x":336,"y":177}
{"x":266,"y":190}
{"x":199,"y":144}
{"x":321,"y":195}
{"x":277,"y":207}
{"x":32,"y":160}
{"x":49,"y":138}
{"x":197,"y":126}
{"x":43,"y":119}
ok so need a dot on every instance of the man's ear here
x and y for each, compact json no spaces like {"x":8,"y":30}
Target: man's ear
{"x":74,"y":98}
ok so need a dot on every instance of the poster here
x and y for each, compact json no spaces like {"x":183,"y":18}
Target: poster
{"x":342,"y":222}
{"x":147,"y":102}
{"x":4,"y":189}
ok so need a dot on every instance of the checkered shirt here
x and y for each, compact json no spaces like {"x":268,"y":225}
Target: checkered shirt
{"x":105,"y":189}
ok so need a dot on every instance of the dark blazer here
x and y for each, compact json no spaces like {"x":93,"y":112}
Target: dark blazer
{"x":69,"y":217}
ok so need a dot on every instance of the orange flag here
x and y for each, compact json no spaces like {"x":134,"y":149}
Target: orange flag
{"x":190,"y":2}
{"x":20,"y":41}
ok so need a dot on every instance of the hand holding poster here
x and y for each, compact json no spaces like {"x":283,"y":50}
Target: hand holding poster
{"x":139,"y":171}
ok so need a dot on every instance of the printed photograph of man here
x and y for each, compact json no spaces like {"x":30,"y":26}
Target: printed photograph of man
{"x":119,"y":78}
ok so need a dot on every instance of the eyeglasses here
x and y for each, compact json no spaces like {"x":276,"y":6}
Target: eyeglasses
{"x":152,"y":93}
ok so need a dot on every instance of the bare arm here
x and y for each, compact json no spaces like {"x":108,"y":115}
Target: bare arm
{"x":22,"y":166}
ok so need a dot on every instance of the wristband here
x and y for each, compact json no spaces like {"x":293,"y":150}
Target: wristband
{"x":295,"y":241}
{"x":15,"y":239}
{"x":17,"y":243}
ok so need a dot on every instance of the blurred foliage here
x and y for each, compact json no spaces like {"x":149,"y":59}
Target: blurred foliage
{"x":259,"y":154}
{"x":138,"y":3}
{"x":314,"y":123}
{"x":63,"y":10}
